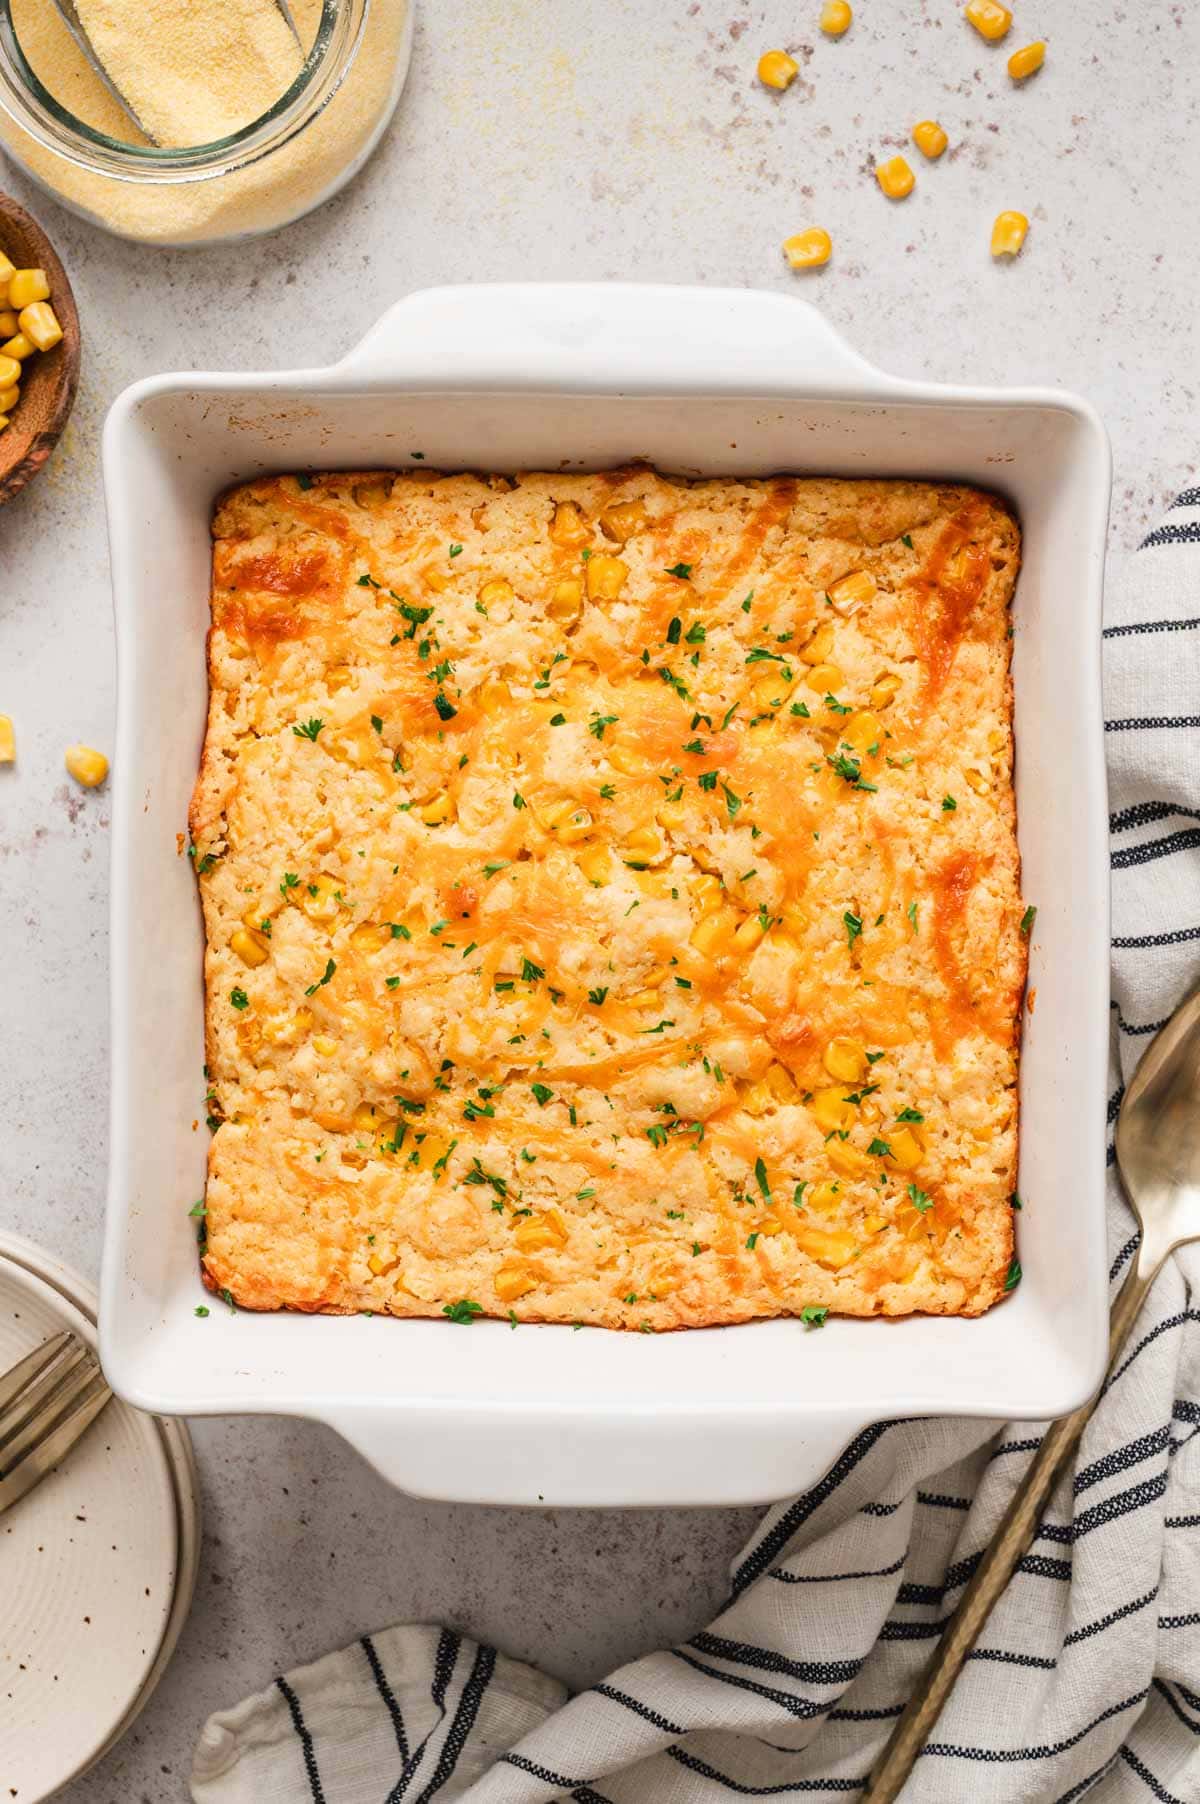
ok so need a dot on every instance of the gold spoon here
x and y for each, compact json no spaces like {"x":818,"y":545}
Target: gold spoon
{"x":1158,"y":1156}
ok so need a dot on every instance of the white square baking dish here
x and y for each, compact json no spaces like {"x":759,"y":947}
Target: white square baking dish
{"x":698,"y":382}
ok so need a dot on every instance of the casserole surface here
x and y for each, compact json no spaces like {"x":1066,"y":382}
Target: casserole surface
{"x":611,"y":894}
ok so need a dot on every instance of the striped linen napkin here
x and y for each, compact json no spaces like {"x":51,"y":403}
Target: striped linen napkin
{"x":1087,"y":1677}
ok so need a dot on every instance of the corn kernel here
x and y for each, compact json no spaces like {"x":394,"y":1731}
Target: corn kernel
{"x":620,"y":521}
{"x":749,"y":934}
{"x":9,"y":398}
{"x":976,"y":780}
{"x":595,"y":864}
{"x":709,"y":894}
{"x":885,"y":691}
{"x":836,"y":17}
{"x":854,"y":591}
{"x":433,"y":813}
{"x":770,"y":691}
{"x":714,"y":934}
{"x":906,"y":1149}
{"x":643,"y":844}
{"x":831,"y":1111}
{"x":495,"y":592}
{"x":494,"y":698}
{"x":10,"y":371}
{"x":1008,"y":234}
{"x":874,"y":1223}
{"x":513,"y":1281}
{"x":829,"y":1248}
{"x":1026,"y":62}
{"x":625,"y":759}
{"x":9,"y":323}
{"x":371,"y":936}
{"x":820,"y":645}
{"x":431,"y":1151}
{"x":848,"y":1161}
{"x":606,"y":576}
{"x":826,"y":678}
{"x":325,"y":1044}
{"x":338,"y":676}
{"x":577,"y":826}
{"x":436,"y":578}
{"x":534,"y":1233}
{"x":766,"y":1230}
{"x":780,"y":1082}
{"x":285,"y":1030}
{"x":824,"y":1197}
{"x":86,"y":765}
{"x":895,"y":177}
{"x":929,"y":138}
{"x":8,"y":740}
{"x":808,"y":249}
{"x":321,"y":898}
{"x":250,"y":947}
{"x":365,"y":1119}
{"x":568,"y":527}
{"x":39,"y":322}
{"x":647,"y":998}
{"x":862,"y":731}
{"x":18,"y":348}
{"x":566,"y":598}
{"x":990,"y":19}
{"x":26,"y":285}
{"x":377,"y":1265}
{"x":844,"y":1059}
{"x":672,"y":816}
{"x":7,"y":270}
{"x":776,"y":69}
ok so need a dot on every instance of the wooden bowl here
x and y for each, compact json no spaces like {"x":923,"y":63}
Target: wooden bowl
{"x":48,"y":378}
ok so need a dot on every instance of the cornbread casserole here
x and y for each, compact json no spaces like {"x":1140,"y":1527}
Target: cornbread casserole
{"x":611,"y":894}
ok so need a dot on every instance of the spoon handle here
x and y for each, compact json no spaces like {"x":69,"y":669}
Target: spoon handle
{"x":999,"y":1561}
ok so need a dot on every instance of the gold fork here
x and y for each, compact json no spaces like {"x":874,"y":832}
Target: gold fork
{"x":47,"y":1401}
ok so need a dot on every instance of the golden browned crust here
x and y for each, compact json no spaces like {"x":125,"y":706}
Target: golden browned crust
{"x":612,"y":897}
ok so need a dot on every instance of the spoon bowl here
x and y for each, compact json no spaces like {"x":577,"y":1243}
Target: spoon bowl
{"x":1158,"y":1137}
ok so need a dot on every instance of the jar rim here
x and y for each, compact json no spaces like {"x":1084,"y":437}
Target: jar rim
{"x":33,"y":107}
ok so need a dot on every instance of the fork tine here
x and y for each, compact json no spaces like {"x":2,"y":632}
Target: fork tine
{"x":36,"y":1398}
{"x":57,"y":1406}
{"x":28,"y":1369}
{"x":51,"y":1451}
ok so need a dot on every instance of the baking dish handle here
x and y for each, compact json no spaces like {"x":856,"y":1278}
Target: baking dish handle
{"x":608,"y":336}
{"x":563,"y":1459}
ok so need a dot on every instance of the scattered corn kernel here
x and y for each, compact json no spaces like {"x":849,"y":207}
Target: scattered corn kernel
{"x":854,"y":591}
{"x":709,"y":893}
{"x":836,"y":17}
{"x":844,"y":1059}
{"x":749,"y":934}
{"x":433,"y":813}
{"x":26,"y":285}
{"x":823,"y":1196}
{"x":976,"y":780}
{"x":338,"y":676}
{"x":10,"y":372}
{"x":321,"y":898}
{"x":1008,"y":234}
{"x":568,"y":527}
{"x":1026,"y":62}
{"x":86,"y":765}
{"x":595,"y":864}
{"x":250,"y":947}
{"x":848,"y":1161}
{"x":825,"y":678}
{"x":885,"y":690}
{"x":713,"y":935}
{"x":8,"y":740}
{"x":9,"y":323}
{"x":776,"y":69}
{"x":929,"y":138}
{"x":577,"y":826}
{"x":643,"y":844}
{"x":20,"y":347}
{"x":620,"y":521}
{"x":831,"y":1111}
{"x":906,"y":1149}
{"x":808,"y":249}
{"x":371,"y":936}
{"x":436,"y":579}
{"x":862,"y":731}
{"x":606,"y":576}
{"x":895,"y":177}
{"x":534,"y":1233}
{"x":513,"y":1281}
{"x":566,"y":598}
{"x":7,"y":270}
{"x":990,"y":19}
{"x":496,"y":591}
{"x":820,"y":645}
{"x":39,"y":322}
{"x":494,"y":698}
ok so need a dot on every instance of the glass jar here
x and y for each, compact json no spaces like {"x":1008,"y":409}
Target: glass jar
{"x":299,"y":153}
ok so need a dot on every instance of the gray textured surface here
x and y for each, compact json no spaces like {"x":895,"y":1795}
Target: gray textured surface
{"x":574,"y":141}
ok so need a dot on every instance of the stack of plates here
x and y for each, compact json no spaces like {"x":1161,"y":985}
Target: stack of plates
{"x":97,"y":1565}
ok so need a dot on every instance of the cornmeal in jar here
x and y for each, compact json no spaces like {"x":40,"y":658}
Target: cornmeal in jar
{"x":612,"y":897}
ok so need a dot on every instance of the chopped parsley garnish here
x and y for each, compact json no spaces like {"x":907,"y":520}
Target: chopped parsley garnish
{"x":696,"y":634}
{"x":598,"y":722}
{"x":368,"y":582}
{"x":302,"y":482}
{"x":607,"y":791}
{"x":813,"y":1316}
{"x":597,"y":996}
{"x":682,"y":571}
{"x":879,"y":1149}
{"x":542,"y":1093}
{"x":835,"y":706}
{"x":530,"y":973}
{"x":391,"y":983}
{"x":201,"y":1310}
{"x":911,"y":912}
{"x":675,"y":631}
{"x":309,"y":729}
{"x":910,"y":1115}
{"x":948,"y":804}
{"x":1027,"y":920}
{"x":683,"y":983}
{"x":518,"y":799}
{"x":732,"y":802}
{"x":1015,"y":1201}
{"x":377,"y":722}
{"x":463,"y":1312}
{"x":456,"y":551}
{"x":920,"y":1199}
{"x":906,"y":539}
{"x":400,"y":931}
{"x":800,"y":709}
{"x":1014,"y":1276}
{"x":239,"y":998}
{"x":746,"y":603}
{"x":659,"y":1028}
{"x":694,"y":745}
{"x":707,"y":779}
{"x":478,"y":1175}
{"x":656,"y":1135}
{"x":760,"y":1178}
{"x":290,"y":881}
{"x":501,"y":864}
{"x":312,"y":989}
{"x":445,"y":707}
{"x":853,"y":926}
{"x":558,"y":720}
{"x":752,"y":1241}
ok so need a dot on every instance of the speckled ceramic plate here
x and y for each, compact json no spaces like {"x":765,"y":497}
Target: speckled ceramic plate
{"x":96,"y":1566}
